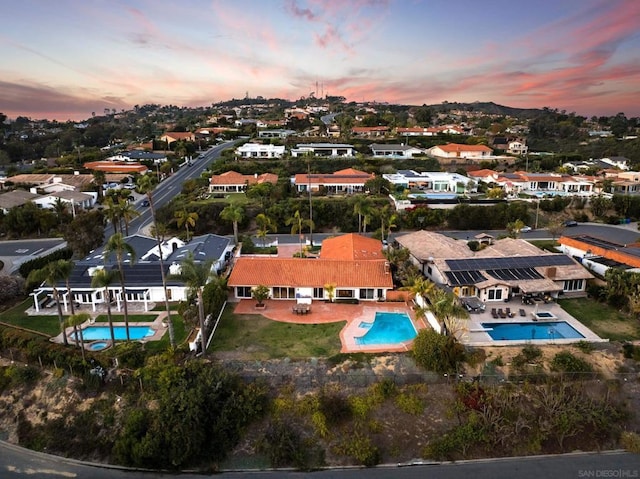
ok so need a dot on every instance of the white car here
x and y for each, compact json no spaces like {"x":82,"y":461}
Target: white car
{"x":525,"y":229}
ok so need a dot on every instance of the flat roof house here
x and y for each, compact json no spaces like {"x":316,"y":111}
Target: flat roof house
{"x":234,"y":182}
{"x":347,"y":181}
{"x":322,"y":149}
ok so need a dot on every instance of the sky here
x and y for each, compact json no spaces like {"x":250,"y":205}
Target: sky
{"x":64,"y":60}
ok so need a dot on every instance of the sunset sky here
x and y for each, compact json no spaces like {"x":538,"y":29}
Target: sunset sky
{"x":64,"y":59}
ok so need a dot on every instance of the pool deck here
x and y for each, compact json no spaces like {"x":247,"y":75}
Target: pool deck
{"x":476,"y":336}
{"x":322,"y":312}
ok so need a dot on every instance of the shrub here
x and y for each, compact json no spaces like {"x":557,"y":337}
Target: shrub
{"x":361,"y":448}
{"x":335,"y":407}
{"x":630,"y":441}
{"x":437,"y":352}
{"x":284,"y":446}
{"x":566,"y":362}
{"x":410,"y":403}
{"x":11,"y":287}
{"x":585,"y":346}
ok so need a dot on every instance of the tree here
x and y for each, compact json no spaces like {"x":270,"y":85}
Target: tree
{"x":85,"y":233}
{"x":234,"y":213}
{"x":387,"y":220}
{"x":146,"y":185}
{"x":330,"y":288}
{"x":186,"y":219}
{"x":103,"y":278}
{"x":196,"y":275}
{"x":297,"y":224}
{"x":265,"y":225}
{"x":112,"y":212}
{"x":118,"y":246}
{"x":378,"y":186}
{"x":260,"y":293}
{"x":515,"y":227}
{"x":360,"y":206}
{"x":447,"y":308}
{"x":599,"y":205}
{"x":555,"y":228}
{"x":51,"y":274}
{"x":76,"y":320}
{"x":437,"y":352}
{"x":126,"y":212}
{"x":66,"y":268}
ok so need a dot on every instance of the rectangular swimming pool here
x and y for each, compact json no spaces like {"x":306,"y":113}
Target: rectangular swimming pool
{"x":91,"y":333}
{"x":531,"y":331}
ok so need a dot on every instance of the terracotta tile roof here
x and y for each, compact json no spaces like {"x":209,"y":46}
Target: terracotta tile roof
{"x":348,"y":175}
{"x":366,"y":129}
{"x":296,"y":272}
{"x":481,"y":173}
{"x":351,"y":247}
{"x":179,"y":135}
{"x":234,"y":178}
{"x":116,"y":167}
{"x":453,"y":147}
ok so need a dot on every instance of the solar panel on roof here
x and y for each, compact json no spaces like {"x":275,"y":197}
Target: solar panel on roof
{"x":514,"y":262}
{"x":515,"y":274}
{"x":463,"y":278}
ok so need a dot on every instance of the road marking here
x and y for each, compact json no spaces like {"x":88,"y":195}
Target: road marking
{"x":30,"y":471}
{"x":22,"y":250}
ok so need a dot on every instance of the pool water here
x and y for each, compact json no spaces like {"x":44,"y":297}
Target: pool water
{"x":388,"y":328}
{"x":91,"y":333}
{"x":530,"y":331}
{"x":98,"y":346}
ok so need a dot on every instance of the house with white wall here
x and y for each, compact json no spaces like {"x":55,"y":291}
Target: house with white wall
{"x":323,"y":149}
{"x":258,"y":150}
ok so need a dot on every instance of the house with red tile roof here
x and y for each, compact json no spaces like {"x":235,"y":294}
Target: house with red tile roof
{"x":292,"y":278}
{"x":234,"y":182}
{"x":456,"y":150}
{"x":173,"y":136}
{"x":347,"y":181}
{"x":116,"y":167}
{"x":351,"y":247}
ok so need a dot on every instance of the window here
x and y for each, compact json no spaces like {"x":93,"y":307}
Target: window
{"x":318,"y":293}
{"x":573,"y":285}
{"x":495,"y":294}
{"x":344,"y":293}
{"x":243,"y":291}
{"x":429,"y":270}
{"x":284,"y":293}
{"x":366,"y":293}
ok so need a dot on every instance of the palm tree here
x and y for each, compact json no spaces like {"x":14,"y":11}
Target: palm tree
{"x":447,"y":308}
{"x":196,"y":275}
{"x":360,"y":205}
{"x":387,"y":220}
{"x":118,"y":246}
{"x":146,"y":185}
{"x":265,"y":224}
{"x":186,"y":219}
{"x":66,"y":268}
{"x":234,"y":213}
{"x":76,"y":320}
{"x":103,"y":278}
{"x":112,"y":212}
{"x":297,"y":223}
{"x":422,"y":288}
{"x":51,"y":274}
{"x":126,"y":212}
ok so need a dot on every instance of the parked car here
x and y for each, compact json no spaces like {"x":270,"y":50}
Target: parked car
{"x":570,"y":223}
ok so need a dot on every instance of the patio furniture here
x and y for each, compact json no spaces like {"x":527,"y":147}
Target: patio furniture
{"x":494,"y":313}
{"x":522,"y":312}
{"x":301,"y":308}
{"x":501,"y":313}
{"x":509,"y":313}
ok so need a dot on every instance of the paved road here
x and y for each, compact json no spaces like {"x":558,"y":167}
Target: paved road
{"x":171,"y":187}
{"x":14,"y":253}
{"x":17,"y":463}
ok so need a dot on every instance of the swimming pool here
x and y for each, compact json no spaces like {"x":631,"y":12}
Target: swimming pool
{"x":91,"y":333}
{"x":530,"y":331}
{"x":98,"y":345}
{"x":387,"y":328}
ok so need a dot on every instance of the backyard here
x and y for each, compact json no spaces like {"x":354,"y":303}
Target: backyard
{"x":604,"y":320}
{"x":252,"y":336}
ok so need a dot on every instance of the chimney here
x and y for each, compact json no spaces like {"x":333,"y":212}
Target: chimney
{"x":387,"y":267}
{"x":551,"y":271}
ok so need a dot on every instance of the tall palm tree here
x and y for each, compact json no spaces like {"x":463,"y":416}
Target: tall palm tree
{"x":297,"y":223}
{"x":265,"y":224}
{"x":186,"y":219}
{"x":76,"y":320}
{"x":66,"y":268}
{"x":51,"y":274}
{"x":118,"y":246}
{"x":196,"y":275}
{"x":447,"y":308}
{"x":387,"y":220}
{"x":234,"y":213}
{"x":360,"y":206}
{"x":126,"y":212}
{"x":146,"y":185}
{"x":103,"y":278}
{"x":112,"y":212}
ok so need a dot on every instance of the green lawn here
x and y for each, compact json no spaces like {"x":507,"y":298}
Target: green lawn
{"x":180,"y":331}
{"x":47,"y":324}
{"x":256,"y":337}
{"x":602,"y":319}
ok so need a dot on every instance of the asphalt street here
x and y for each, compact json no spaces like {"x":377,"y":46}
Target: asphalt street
{"x":16,"y":462}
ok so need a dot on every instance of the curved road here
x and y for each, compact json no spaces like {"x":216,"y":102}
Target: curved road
{"x":16,"y":462}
